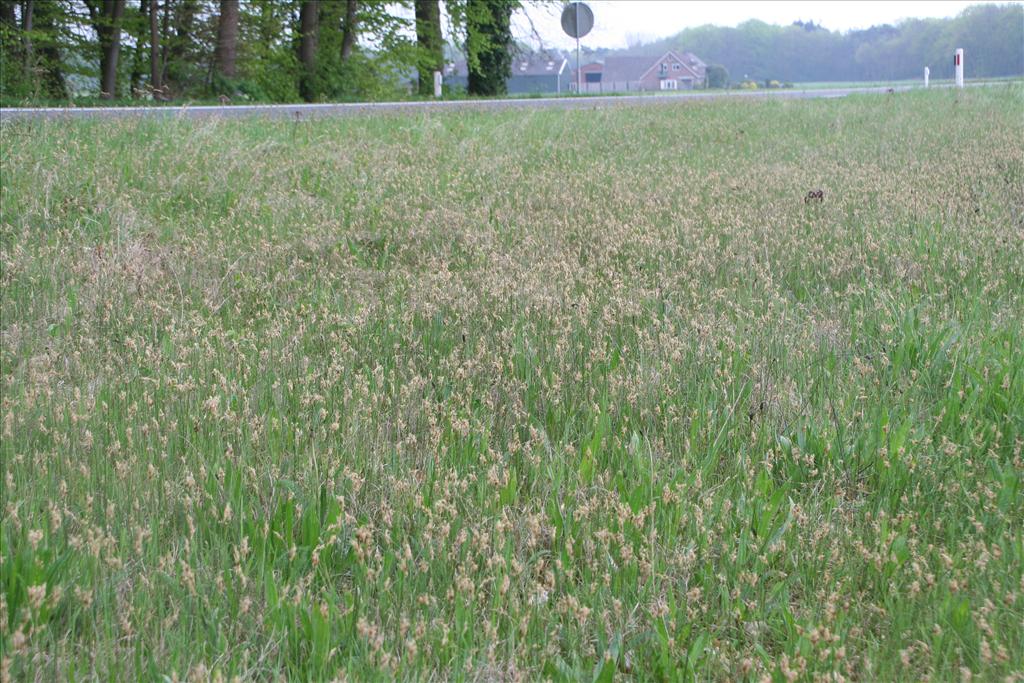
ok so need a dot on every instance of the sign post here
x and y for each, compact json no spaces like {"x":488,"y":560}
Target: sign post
{"x":577,"y":20}
{"x":958,"y":67}
{"x":579,"y":74}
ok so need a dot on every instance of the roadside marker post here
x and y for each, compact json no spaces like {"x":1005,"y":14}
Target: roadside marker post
{"x":927,"y":73}
{"x":437,"y":84}
{"x":958,"y":67}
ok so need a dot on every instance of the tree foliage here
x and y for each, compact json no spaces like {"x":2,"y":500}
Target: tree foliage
{"x":991,"y":35}
{"x":30,"y":38}
{"x":183,"y":49}
{"x":718,"y":76}
{"x":488,"y":43}
{"x":430,"y":41}
{"x":323,"y":50}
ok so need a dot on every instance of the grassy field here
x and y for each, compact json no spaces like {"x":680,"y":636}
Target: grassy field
{"x":918,"y":82}
{"x":588,"y":395}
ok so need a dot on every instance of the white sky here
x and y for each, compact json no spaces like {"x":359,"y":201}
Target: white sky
{"x":619,"y":22}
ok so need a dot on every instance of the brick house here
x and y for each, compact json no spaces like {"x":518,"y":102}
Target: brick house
{"x":671,"y":71}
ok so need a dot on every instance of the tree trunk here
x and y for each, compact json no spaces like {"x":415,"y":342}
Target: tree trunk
{"x":108,"y":28}
{"x":164,"y":49}
{"x":139,"y":55}
{"x":227,"y":39}
{"x":27,"y":19}
{"x":156,"y":73}
{"x":428,"y":38}
{"x":488,"y":43}
{"x":349,"y":29}
{"x":309,"y":19}
{"x":27,"y":11}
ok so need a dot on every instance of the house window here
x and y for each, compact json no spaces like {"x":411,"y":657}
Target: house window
{"x":664,"y":68}
{"x":676,"y":67}
{"x":669,"y":84}
{"x":593,"y":77}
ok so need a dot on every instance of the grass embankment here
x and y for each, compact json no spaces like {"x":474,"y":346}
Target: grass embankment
{"x":577,"y":395}
{"x":917,"y":82}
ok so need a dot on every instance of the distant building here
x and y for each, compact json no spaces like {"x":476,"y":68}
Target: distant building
{"x":539,"y":73}
{"x":670,"y":71}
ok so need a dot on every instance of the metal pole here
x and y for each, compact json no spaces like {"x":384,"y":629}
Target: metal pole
{"x":579,"y":74}
{"x":579,"y":64}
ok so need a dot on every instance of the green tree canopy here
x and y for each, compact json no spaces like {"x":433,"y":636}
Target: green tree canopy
{"x":991,"y":35}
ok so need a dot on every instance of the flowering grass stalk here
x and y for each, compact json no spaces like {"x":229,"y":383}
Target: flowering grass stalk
{"x":517,"y":395}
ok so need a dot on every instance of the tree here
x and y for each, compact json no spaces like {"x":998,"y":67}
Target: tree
{"x":184,"y":18}
{"x":488,"y":45}
{"x":430,"y":43}
{"x":156,"y":69}
{"x":717,"y":75}
{"x":990,"y":34}
{"x":28,"y":11}
{"x":8,"y":31}
{"x":14,"y":81}
{"x":349,"y":27}
{"x":284,"y":50}
{"x":106,"y":21}
{"x":309,"y":20}
{"x":226,"y":51}
{"x":138,"y":27}
{"x":49,"y":64}
{"x":7,"y":17}
{"x":340,"y":68}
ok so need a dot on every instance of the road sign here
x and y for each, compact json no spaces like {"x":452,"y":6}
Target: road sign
{"x":577,"y":19}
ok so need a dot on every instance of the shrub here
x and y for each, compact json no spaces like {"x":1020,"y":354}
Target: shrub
{"x":717,"y":76}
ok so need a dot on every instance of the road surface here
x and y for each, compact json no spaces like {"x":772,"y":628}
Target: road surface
{"x":303,"y":111}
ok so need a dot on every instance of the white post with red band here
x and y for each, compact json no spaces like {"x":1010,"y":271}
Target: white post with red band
{"x":927,"y":73}
{"x":958,"y":67}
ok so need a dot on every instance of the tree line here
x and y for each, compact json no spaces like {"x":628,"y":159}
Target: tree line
{"x":266,"y":50}
{"x":318,"y":50}
{"x":992,"y":37}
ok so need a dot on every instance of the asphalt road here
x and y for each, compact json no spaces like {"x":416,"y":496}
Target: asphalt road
{"x":302,"y":111}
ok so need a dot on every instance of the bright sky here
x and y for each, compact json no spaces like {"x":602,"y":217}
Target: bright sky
{"x":620,"y":22}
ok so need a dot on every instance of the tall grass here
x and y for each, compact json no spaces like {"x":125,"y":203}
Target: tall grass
{"x":576,"y":395}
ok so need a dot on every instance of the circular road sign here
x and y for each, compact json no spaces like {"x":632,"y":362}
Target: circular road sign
{"x":577,"y":19}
